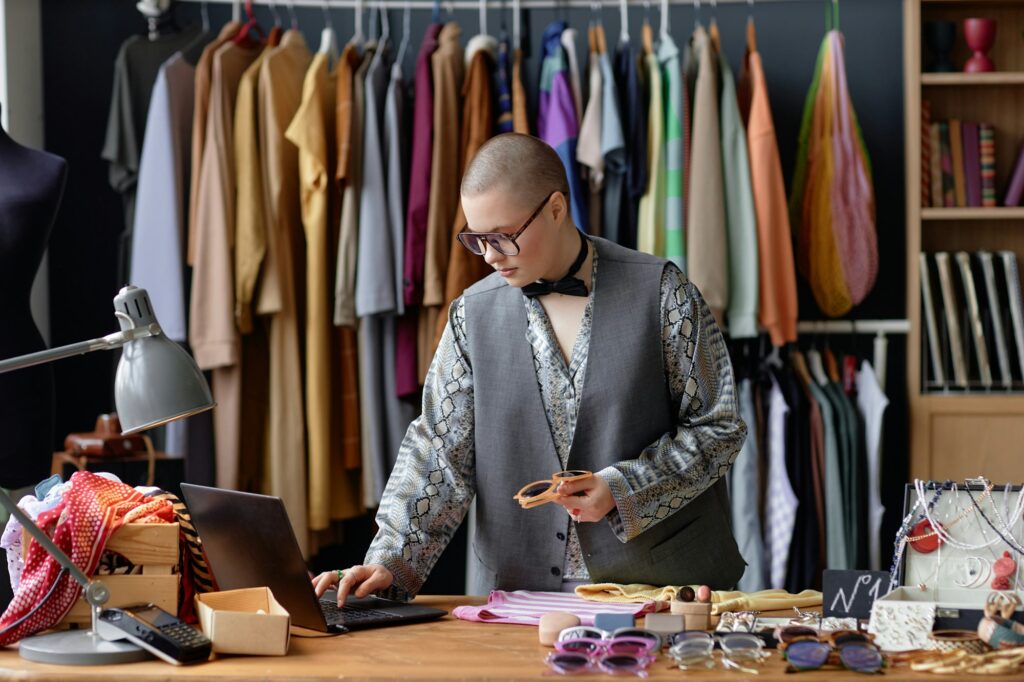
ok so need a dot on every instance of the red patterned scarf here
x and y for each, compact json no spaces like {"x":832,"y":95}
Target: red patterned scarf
{"x":92,"y":509}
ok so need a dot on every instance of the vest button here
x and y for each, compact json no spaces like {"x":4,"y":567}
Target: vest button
{"x":555,"y":571}
{"x":560,"y":536}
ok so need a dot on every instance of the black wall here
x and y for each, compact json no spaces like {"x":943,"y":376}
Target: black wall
{"x":81,"y":39}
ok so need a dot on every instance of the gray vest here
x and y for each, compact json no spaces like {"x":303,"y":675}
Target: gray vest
{"x":625,"y":406}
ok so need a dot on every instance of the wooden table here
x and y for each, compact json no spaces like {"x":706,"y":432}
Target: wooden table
{"x":447,"y":649}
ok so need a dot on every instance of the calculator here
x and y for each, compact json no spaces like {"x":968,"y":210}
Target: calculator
{"x":162,"y":634}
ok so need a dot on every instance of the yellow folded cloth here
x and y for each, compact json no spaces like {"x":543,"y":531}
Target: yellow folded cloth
{"x":721,"y":601}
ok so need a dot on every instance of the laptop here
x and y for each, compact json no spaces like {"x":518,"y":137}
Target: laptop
{"x":249,"y":542}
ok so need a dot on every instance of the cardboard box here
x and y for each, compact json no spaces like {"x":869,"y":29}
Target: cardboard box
{"x":232,"y":622}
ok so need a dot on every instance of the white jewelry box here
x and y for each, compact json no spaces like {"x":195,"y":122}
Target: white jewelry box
{"x":953,"y":581}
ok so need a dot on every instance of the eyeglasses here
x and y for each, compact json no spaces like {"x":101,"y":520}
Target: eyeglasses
{"x":652,"y":638}
{"x":541,"y":492}
{"x":694,"y":650}
{"x":574,"y":663}
{"x":593,"y":642}
{"x":504,"y":244}
{"x":856,"y":651}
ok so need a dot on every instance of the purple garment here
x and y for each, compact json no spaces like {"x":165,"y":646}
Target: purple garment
{"x":407,"y":380}
{"x":419,"y":171}
{"x":557,"y":122}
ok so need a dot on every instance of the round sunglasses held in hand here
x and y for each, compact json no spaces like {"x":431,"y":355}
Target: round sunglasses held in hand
{"x":541,"y":492}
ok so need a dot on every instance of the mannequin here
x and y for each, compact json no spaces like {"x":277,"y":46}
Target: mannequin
{"x":31,"y":186}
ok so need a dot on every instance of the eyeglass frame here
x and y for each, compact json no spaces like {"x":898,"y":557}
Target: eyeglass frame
{"x":585,"y":664}
{"x":501,"y":235}
{"x":549,"y":495}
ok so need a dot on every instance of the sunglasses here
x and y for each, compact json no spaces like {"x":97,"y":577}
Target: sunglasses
{"x":541,"y":492}
{"x":574,"y":663}
{"x":504,"y":244}
{"x":856,"y":652}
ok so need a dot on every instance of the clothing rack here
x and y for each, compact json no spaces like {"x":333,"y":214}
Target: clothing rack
{"x":495,"y":4}
{"x":877,"y":327}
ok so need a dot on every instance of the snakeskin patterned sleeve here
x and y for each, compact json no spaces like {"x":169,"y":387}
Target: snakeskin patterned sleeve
{"x":431,"y":486}
{"x":674,"y":470}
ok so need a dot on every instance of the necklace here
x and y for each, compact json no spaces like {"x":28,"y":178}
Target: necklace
{"x":1010,"y":542}
{"x":941,"y":532}
{"x":900,"y":542}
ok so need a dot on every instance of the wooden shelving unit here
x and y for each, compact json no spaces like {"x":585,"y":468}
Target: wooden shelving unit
{"x":959,"y":434}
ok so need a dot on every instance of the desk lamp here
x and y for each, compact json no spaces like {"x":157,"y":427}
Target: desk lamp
{"x":156,"y":382}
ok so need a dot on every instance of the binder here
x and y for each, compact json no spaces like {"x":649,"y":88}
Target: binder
{"x":931,"y":326}
{"x":952,"y":310}
{"x":1016,"y":306}
{"x":935,"y":162}
{"x":974,"y":313}
{"x":995,"y":309}
{"x":956,"y":151}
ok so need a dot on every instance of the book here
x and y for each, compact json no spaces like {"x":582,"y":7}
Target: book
{"x":952,"y":309}
{"x":956,"y":153}
{"x":987,"y":146}
{"x":926,"y":162}
{"x":972,"y":163}
{"x":1016,"y":188}
{"x":1014,"y":302}
{"x":935,"y":161}
{"x":974,"y":317}
{"x":995,"y":310}
{"x":931,"y":327}
{"x":948,"y":191}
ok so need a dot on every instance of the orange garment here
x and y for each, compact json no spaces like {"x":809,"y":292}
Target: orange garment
{"x":465,"y":268}
{"x":520,"y":118}
{"x":200,"y":110}
{"x":777,"y":300}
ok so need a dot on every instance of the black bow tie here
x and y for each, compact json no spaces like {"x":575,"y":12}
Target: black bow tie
{"x":568,"y":285}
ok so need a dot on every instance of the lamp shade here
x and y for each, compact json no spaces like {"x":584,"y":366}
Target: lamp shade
{"x":156,"y":381}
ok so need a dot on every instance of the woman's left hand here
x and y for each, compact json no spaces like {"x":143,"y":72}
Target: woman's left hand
{"x":592,"y":505}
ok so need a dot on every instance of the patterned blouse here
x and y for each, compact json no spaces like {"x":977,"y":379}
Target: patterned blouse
{"x":432,"y":484}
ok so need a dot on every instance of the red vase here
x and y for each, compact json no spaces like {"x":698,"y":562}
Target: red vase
{"x":980,"y":35}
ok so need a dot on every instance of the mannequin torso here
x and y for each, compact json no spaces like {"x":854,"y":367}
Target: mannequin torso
{"x":31,"y":186}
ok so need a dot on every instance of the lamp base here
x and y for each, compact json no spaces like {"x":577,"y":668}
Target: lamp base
{"x":79,"y":647}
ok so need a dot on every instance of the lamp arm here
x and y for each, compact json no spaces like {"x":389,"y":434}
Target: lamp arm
{"x":108,"y":342}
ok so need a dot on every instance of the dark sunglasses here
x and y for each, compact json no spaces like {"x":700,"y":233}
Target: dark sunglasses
{"x":856,"y":652}
{"x":504,"y":244}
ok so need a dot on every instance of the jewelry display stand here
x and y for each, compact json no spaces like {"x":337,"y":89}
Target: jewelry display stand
{"x":976,"y":552}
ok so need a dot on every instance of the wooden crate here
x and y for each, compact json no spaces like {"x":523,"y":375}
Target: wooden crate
{"x":154,"y":547}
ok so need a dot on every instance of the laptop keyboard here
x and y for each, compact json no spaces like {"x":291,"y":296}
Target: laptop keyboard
{"x":347,"y":615}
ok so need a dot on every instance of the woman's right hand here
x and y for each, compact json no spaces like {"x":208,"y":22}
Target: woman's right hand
{"x":357,"y":580}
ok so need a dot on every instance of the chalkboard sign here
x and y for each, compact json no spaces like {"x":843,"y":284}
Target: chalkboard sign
{"x":850,"y":594}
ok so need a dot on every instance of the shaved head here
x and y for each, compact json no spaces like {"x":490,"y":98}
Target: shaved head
{"x":521,"y":166}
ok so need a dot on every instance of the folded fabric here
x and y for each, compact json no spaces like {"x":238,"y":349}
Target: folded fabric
{"x":721,"y":600}
{"x":80,"y":525}
{"x":524,"y":607}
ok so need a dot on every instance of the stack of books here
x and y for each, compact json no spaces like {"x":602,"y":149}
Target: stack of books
{"x":958,"y":163}
{"x":973,"y":320}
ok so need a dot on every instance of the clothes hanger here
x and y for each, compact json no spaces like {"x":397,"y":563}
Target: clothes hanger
{"x":385,"y":25}
{"x":404,"y":45}
{"x":716,"y":39}
{"x":358,"y":40}
{"x":328,"y":38}
{"x":251,"y":26}
{"x":290,"y":4}
{"x":516,"y":19}
{"x":204,"y":12}
{"x":624,"y":21}
{"x":751,"y":31}
{"x":236,"y":10}
{"x":664,"y":19}
{"x":646,"y":32}
{"x":816,"y":367}
{"x":159,"y":17}
{"x":831,"y":365}
{"x":274,"y":37}
{"x":696,"y":14}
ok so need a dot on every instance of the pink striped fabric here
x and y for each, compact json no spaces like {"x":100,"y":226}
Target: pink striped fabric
{"x":524,"y":607}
